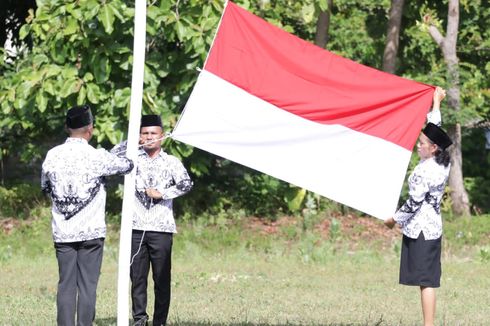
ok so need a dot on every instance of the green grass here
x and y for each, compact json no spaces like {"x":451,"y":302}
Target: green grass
{"x":225,"y":274}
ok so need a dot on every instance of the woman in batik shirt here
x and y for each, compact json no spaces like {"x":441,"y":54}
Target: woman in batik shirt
{"x":420,"y":216}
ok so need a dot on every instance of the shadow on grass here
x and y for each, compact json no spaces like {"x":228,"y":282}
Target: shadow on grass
{"x":107,"y":321}
{"x":262,"y":324}
{"x":113,"y":321}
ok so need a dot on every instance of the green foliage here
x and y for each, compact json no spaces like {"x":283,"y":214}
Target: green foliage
{"x":82,"y":53}
{"x":446,"y":205}
{"x":485,"y":255}
{"x":334,"y":229}
{"x":17,"y":201}
{"x":231,"y":187}
{"x":422,"y":60}
{"x":310,"y":212}
{"x":264,"y":193}
{"x":477,"y":170}
{"x":357,"y":30}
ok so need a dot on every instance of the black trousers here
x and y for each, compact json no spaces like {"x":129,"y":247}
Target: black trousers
{"x":79,"y":269}
{"x":155,"y":248}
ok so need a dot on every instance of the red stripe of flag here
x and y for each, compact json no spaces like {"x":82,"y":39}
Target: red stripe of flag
{"x":313,"y":83}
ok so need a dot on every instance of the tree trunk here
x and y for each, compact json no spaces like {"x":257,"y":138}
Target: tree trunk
{"x":322,"y":26}
{"x":392,"y":36}
{"x":459,"y":196}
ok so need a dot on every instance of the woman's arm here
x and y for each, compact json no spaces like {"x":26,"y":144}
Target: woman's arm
{"x":434,"y":115}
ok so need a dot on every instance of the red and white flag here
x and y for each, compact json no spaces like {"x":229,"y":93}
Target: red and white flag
{"x":280,"y":105}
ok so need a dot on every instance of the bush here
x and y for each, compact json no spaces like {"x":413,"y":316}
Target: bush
{"x":230,"y":186}
{"x":16,"y":201}
{"x":476,"y":169}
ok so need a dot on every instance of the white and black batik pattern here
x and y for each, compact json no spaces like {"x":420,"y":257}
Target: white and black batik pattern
{"x":421,"y":212}
{"x":68,"y":201}
{"x":73,"y":175}
{"x":168,"y":176}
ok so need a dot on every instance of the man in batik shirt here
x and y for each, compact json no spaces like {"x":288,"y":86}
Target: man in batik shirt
{"x":73,"y":175}
{"x":160,"y":178}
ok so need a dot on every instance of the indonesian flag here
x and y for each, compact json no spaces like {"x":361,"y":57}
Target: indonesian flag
{"x":278,"y":104}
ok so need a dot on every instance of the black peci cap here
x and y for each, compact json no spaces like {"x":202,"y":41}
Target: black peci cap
{"x":151,"y":120}
{"x":437,"y":135}
{"x":79,"y":116}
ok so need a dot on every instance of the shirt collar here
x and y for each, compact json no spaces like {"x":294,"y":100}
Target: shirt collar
{"x":161,"y":153}
{"x":76,"y":140}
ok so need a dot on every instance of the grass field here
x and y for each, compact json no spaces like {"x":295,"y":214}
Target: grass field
{"x":235,"y":275}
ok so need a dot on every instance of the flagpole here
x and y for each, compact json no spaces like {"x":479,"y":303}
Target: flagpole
{"x":139,"y":46}
{"x":206,"y":60}
{"x":215,"y":34}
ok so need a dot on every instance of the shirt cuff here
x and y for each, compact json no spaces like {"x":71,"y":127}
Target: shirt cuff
{"x":434,"y":116}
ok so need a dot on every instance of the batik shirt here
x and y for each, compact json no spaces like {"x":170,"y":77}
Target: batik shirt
{"x":73,"y":175}
{"x":422,"y":210}
{"x":167,"y":175}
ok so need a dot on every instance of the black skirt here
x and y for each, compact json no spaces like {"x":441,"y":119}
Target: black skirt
{"x":420,"y":262}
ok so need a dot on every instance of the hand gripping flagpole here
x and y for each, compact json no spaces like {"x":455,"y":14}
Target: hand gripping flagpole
{"x":129,"y":180}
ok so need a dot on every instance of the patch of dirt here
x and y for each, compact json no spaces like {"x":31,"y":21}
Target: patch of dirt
{"x":9,"y":224}
{"x":349,"y":227}
{"x":266,"y":226}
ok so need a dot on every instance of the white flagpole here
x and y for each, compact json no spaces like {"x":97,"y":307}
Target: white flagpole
{"x":139,"y":46}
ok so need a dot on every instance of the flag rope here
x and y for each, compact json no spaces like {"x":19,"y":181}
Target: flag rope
{"x":141,"y":145}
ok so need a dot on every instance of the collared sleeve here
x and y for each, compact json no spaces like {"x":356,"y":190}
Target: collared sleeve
{"x":45,"y":183}
{"x":120,"y":149}
{"x":182,"y":181}
{"x":434,"y":116}
{"x":112,"y":164}
{"x":418,"y":188}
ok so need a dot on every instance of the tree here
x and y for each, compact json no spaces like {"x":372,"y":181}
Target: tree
{"x":323,"y":25}
{"x":81,"y":52}
{"x":392,"y":36}
{"x":13,"y":14}
{"x":447,"y":44}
